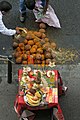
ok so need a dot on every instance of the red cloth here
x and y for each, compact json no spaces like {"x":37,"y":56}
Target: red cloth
{"x":20,"y":105}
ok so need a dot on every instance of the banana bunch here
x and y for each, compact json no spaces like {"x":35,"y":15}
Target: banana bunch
{"x":33,"y":100}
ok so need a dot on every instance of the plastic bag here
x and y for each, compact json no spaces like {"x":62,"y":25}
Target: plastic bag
{"x":50,"y":17}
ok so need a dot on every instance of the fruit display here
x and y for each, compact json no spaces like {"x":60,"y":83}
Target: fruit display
{"x":34,"y":100}
{"x":34,"y":85}
{"x":35,"y":45}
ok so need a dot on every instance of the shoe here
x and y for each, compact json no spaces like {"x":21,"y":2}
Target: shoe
{"x":64,"y":88}
{"x":22,"y":17}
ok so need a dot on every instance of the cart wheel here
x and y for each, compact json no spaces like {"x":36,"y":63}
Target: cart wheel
{"x":53,"y":111}
{"x":53,"y":116}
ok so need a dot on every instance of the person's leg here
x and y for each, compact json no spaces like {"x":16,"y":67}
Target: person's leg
{"x":22,"y":6}
{"x":43,"y":2}
{"x":22,"y":9}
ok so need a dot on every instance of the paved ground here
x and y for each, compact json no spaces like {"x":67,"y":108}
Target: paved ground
{"x":68,"y":37}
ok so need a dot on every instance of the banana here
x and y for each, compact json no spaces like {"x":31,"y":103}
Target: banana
{"x":29,"y":96}
{"x":32,"y":100}
{"x":38,"y":94}
{"x":32,"y":104}
{"x":35,"y":101}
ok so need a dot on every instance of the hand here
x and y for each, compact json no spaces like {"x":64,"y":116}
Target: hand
{"x":17,"y":30}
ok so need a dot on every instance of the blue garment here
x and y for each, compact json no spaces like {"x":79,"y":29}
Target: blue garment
{"x":43,"y":2}
{"x":23,"y":6}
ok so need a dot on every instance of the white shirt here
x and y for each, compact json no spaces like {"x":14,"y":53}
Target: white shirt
{"x":3,"y":28}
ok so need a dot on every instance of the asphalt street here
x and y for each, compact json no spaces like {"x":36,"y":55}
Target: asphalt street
{"x":68,"y":36}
